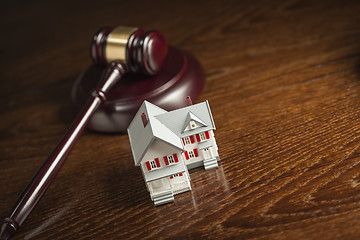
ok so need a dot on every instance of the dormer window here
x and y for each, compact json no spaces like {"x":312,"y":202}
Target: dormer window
{"x":192,"y":122}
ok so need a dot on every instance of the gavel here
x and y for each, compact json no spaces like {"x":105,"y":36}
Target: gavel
{"x":120,"y":49}
{"x":138,"y":50}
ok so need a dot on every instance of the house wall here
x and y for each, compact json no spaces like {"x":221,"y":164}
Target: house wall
{"x":214,"y":148}
{"x":159,"y":179}
{"x":197,"y":125}
{"x":198,"y":158}
{"x":159,"y":149}
{"x":176,"y":184}
{"x":139,"y":135}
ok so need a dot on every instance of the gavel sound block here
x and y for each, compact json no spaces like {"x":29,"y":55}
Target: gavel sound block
{"x":180,"y":76}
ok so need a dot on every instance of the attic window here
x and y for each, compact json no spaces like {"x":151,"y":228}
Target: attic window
{"x":144,"y":119}
{"x":192,"y":124}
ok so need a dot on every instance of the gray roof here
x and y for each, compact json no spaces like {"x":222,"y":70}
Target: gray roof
{"x":166,"y":126}
{"x":177,"y":119}
{"x":190,"y":116}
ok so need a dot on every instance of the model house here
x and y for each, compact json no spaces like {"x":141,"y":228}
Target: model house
{"x":166,"y":144}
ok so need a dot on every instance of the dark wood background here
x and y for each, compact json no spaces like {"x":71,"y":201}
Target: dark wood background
{"x":283,"y":82}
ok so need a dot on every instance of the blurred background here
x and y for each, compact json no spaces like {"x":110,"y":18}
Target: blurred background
{"x":283,"y":86}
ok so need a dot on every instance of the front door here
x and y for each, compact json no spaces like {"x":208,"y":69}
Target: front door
{"x":207,"y":153}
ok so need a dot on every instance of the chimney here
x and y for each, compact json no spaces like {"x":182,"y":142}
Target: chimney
{"x":188,"y":100}
{"x":144,"y":119}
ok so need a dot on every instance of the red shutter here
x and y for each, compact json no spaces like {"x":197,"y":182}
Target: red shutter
{"x":171,"y":177}
{"x":148,"y":165}
{"x":198,"y":137}
{"x":175,"y":157}
{"x":184,"y":141}
{"x":180,"y":174}
{"x":192,"y":139}
{"x":196,"y":152}
{"x":166,"y":160}
{"x":207,"y":135}
{"x":157,"y":162}
{"x":186,"y":155}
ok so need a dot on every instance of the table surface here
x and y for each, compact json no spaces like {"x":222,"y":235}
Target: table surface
{"x":283,"y":82}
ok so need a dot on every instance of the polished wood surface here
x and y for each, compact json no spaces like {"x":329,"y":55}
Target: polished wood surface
{"x":283,"y":82}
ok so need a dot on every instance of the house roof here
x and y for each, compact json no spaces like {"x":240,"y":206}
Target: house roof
{"x":177,"y":120}
{"x":141,"y":138}
{"x":191,"y":117}
{"x":166,"y":126}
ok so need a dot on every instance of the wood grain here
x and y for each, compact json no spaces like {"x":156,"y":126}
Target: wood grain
{"x":283,"y":82}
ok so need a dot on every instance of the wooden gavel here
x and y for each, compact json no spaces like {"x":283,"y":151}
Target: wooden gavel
{"x":121,"y":49}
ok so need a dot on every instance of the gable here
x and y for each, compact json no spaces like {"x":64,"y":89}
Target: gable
{"x":141,"y":138}
{"x":159,"y":149}
{"x":177,"y":121}
{"x":192,"y":122}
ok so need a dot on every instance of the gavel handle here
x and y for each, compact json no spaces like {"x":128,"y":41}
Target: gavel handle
{"x":49,"y":169}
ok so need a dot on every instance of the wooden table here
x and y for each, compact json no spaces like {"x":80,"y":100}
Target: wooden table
{"x":283,"y":82}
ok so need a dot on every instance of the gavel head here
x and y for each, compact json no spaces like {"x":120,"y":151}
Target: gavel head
{"x":138,"y":50}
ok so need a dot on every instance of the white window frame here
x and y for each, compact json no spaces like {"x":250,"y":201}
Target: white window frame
{"x":191,"y":154}
{"x":187,"y":140}
{"x":171,"y":159}
{"x":192,"y":124}
{"x":177,"y":175}
{"x":153,"y":164}
{"x":202,"y":136}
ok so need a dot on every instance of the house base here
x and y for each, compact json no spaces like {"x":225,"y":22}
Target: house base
{"x":194,"y":165}
{"x":162,"y":190}
{"x":208,"y":163}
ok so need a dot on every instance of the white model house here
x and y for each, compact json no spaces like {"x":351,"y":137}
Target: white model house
{"x":166,"y":144}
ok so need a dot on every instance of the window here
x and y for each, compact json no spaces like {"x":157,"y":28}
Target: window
{"x":152,"y":164}
{"x":192,"y":124}
{"x":171,"y":159}
{"x":176,"y":175}
{"x":191,"y":154}
{"x":187,"y":140}
{"x":202,"y":136}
